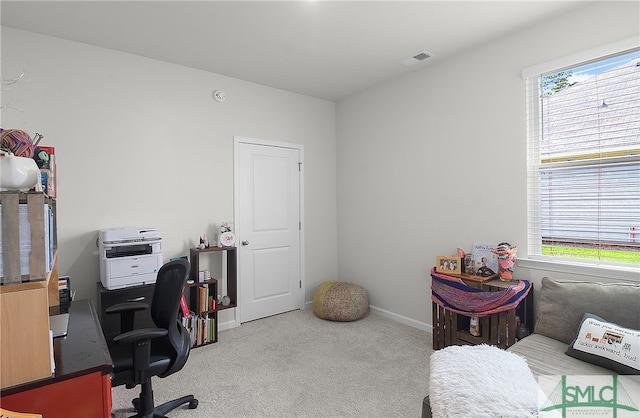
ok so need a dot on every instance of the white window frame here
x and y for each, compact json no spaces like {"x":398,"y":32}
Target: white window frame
{"x":628,"y":273}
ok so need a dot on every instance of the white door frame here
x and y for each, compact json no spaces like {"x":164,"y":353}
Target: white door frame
{"x":237,"y":140}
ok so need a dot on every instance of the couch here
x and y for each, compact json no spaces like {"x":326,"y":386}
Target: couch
{"x":560,"y":313}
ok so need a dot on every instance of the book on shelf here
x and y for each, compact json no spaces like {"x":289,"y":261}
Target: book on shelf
{"x":203,"y":294}
{"x":24,"y":238}
{"x":185,"y":308}
{"x":202,"y":328}
{"x":485,"y":262}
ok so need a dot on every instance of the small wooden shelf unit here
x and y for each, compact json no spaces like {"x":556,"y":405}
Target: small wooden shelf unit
{"x":499,"y":329}
{"x":207,"y":311}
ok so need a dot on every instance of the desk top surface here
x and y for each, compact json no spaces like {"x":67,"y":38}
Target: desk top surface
{"x":83,"y":351}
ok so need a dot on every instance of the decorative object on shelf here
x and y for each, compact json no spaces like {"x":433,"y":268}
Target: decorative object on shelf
{"x":18,"y":142}
{"x":17,"y":173}
{"x":204,"y":242}
{"x":474,"y":326}
{"x":484,"y":260}
{"x":506,"y":260}
{"x":467,"y":262}
{"x":227,"y":237}
{"x":522,"y":331}
{"x":225,"y":301}
{"x":449,"y":264}
{"x":469,"y":266}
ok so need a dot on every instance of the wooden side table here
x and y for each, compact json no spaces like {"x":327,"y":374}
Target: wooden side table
{"x":499,"y":329}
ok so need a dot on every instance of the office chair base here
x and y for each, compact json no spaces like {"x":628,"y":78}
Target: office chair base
{"x":171,"y":405}
{"x":145,"y":409}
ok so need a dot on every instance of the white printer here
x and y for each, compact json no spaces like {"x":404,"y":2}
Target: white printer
{"x":129,"y":256}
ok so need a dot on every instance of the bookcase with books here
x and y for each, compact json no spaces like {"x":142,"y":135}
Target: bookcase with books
{"x":200,"y":306}
{"x":28,"y":285}
{"x":199,"y":314}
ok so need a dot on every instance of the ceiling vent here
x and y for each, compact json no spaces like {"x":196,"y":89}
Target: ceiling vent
{"x":418,"y":58}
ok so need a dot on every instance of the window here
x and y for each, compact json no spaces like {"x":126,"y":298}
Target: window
{"x":584,"y":160}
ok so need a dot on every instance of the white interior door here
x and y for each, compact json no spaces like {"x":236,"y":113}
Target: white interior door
{"x":268,"y":228}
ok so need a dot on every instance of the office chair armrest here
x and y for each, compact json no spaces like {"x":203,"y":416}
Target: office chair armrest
{"x":140,"y":342}
{"x":127,"y":311}
{"x":140,"y":335}
{"x":126,"y":307}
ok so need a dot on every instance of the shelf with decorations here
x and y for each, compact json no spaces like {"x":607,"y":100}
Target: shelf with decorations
{"x":202,"y":295}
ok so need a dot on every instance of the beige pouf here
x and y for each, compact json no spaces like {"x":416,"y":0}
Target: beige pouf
{"x":340,"y":301}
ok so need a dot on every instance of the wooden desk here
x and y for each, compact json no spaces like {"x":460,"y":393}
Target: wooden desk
{"x":81,"y":385}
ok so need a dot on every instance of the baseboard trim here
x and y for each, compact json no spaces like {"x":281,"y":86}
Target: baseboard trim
{"x":392,"y":315}
{"x":223,"y":326}
{"x":402,"y":319}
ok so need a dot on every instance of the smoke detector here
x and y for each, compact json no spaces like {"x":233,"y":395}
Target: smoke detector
{"x":418,"y":58}
{"x":219,"y":96}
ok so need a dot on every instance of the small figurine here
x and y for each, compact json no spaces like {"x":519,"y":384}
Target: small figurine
{"x":226,"y":227}
{"x":204,"y":242}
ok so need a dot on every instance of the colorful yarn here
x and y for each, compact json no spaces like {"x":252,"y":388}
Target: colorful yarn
{"x":454,"y":295}
{"x":506,"y":254}
{"x":18,"y":142}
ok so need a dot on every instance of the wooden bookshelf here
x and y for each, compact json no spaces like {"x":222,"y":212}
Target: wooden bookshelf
{"x":25,"y":342}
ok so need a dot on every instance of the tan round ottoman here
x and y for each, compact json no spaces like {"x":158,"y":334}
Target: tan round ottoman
{"x":340,"y":301}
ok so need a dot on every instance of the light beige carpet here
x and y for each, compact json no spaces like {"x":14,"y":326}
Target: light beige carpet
{"x":297,"y":365}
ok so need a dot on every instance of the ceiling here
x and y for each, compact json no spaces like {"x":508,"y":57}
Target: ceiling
{"x":325,"y":49}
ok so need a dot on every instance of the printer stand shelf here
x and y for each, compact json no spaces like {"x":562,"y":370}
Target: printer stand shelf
{"x":202,"y":295}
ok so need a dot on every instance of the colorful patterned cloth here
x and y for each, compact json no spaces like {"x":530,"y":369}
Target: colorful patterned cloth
{"x":453,"y":294}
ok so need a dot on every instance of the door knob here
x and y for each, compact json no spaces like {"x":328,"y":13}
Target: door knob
{"x":245,"y":242}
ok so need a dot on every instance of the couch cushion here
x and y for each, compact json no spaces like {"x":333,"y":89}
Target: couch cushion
{"x":606,"y":344}
{"x":546,"y":356}
{"x":562,"y":303}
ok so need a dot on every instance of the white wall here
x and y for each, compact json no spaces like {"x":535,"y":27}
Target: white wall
{"x":141,"y":142}
{"x":436,"y":160}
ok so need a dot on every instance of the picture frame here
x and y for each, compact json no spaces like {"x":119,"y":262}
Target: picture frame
{"x":449,"y":264}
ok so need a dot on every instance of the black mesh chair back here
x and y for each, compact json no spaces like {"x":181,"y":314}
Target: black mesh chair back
{"x":140,"y":354}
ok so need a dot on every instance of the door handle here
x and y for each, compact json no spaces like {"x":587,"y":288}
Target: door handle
{"x":245,"y":242}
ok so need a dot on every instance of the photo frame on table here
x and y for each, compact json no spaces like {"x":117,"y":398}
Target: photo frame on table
{"x":449,"y":264}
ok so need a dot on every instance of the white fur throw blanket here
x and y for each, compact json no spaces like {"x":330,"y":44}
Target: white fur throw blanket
{"x":481,"y":381}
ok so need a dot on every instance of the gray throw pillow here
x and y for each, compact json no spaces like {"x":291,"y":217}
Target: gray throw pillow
{"x":562,"y":303}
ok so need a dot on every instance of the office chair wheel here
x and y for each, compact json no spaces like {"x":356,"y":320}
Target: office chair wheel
{"x":136,"y":404}
{"x":193,"y":404}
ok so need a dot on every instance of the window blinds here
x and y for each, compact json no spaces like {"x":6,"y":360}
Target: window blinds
{"x":584,"y":160}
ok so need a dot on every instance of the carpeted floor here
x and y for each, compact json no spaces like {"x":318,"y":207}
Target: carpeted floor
{"x":296,"y":365}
